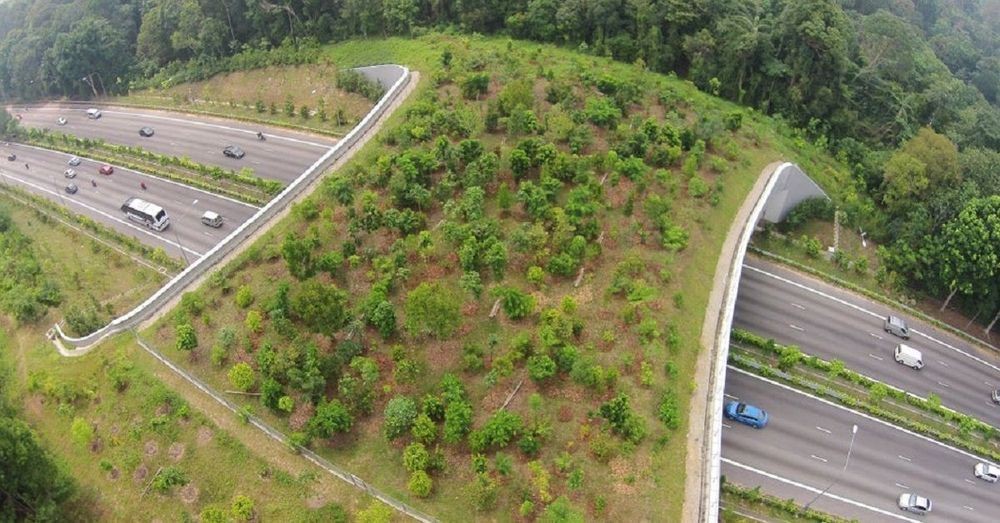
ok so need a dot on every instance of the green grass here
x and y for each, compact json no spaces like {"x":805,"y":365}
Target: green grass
{"x":642,"y":482}
{"x":234,"y":95}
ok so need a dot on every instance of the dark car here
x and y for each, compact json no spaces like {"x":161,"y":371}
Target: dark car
{"x":146,"y":132}
{"x":106,"y":169}
{"x":746,"y":414}
{"x":12,"y":157}
{"x":72,"y":188}
{"x":233,"y":152}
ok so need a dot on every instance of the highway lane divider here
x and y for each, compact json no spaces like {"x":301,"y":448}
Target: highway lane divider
{"x":960,"y":437}
{"x":257,"y":191}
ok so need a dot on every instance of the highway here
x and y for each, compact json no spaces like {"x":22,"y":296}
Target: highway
{"x":283,"y":156}
{"x":832,"y":323}
{"x":805,"y":444}
{"x":44,"y":177}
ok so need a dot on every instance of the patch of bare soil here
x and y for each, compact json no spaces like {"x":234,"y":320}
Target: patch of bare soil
{"x":316,"y":501}
{"x":151,"y":448}
{"x":303,"y":412}
{"x":163,"y":409}
{"x":176,"y":451}
{"x":97,"y":445}
{"x":140,"y":473}
{"x":189,"y":494}
{"x":114,"y":473}
{"x":204,"y":436}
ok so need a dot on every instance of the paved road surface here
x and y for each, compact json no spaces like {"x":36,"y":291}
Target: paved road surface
{"x":806,"y":441}
{"x":45,"y":177}
{"x":283,"y":156}
{"x":830,"y":329}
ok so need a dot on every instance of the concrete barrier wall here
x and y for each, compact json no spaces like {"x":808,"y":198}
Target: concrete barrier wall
{"x":194,"y":271}
{"x":713,"y":438}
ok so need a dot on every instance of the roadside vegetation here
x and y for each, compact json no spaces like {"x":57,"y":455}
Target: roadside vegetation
{"x":314,"y":96}
{"x":755,"y":504}
{"x":494,"y":310}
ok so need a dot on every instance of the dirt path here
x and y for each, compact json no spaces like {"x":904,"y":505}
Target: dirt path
{"x":695,"y":466}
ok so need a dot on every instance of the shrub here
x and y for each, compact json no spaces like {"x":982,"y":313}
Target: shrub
{"x":416,"y":457}
{"x":383,"y":318}
{"x":430,"y":309}
{"x":187,"y":339}
{"x":168,"y":478}
{"x":561,"y":511}
{"x":424,"y":430}
{"x":241,"y":376}
{"x":377,"y":512}
{"x":623,"y":419}
{"x":541,"y":367}
{"x":330,"y":417}
{"x":516,"y":304}
{"x":483,"y":492}
{"x":399,"y":414}
{"x":286,"y":404}
{"x":499,"y":431}
{"x":254,"y":322}
{"x":733,"y":120}
{"x":242,"y":509}
{"x":420,"y":484}
{"x":81,"y":431}
{"x":790,"y":356}
{"x":457,"y":420}
{"x":668,"y":411}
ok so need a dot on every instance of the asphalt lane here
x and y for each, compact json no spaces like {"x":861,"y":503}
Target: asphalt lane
{"x":283,"y":156}
{"x":45,"y":177}
{"x":832,"y":330}
{"x":806,"y":441}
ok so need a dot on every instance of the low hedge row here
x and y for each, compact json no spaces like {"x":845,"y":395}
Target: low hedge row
{"x":787,"y":506}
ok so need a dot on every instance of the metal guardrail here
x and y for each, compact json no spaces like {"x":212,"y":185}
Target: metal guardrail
{"x":235,"y":239}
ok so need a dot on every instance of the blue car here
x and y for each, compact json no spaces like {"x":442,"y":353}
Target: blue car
{"x":746,"y":414}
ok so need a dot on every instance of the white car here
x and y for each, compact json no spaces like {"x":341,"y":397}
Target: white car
{"x":61,"y":121}
{"x":69,"y":173}
{"x":987,"y":472}
{"x":914,"y":503}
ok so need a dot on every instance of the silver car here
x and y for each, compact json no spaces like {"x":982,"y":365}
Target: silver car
{"x":74,"y":161}
{"x":896,"y":326}
{"x":913,"y":503}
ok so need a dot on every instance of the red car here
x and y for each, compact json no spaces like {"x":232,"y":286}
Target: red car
{"x":106,"y":169}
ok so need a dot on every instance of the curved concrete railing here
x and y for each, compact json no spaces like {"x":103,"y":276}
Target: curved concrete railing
{"x":712,"y":449}
{"x":245,"y":230}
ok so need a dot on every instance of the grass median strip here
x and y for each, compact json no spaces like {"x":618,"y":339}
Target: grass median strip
{"x":837,"y":383}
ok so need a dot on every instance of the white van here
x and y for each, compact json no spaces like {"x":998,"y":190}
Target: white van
{"x":908,"y":356}
{"x":987,"y":471}
{"x":211,"y":219}
{"x":93,"y":113}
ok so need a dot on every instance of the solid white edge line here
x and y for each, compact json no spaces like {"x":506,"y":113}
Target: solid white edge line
{"x":870,"y":313}
{"x":816,"y":490}
{"x":862,"y":414}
